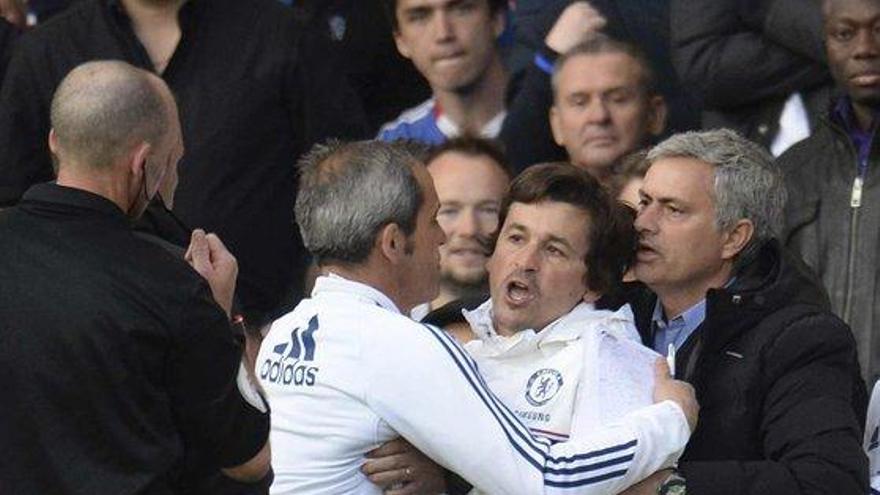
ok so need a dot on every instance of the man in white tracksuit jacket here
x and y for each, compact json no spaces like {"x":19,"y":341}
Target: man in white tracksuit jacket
{"x":346,"y":371}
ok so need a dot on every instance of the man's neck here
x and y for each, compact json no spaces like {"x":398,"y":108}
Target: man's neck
{"x":368,"y":274}
{"x":473,"y":109}
{"x":156,"y":26}
{"x":676,"y":301}
{"x":104,"y":185}
{"x":864,"y":115}
{"x":148,"y":13}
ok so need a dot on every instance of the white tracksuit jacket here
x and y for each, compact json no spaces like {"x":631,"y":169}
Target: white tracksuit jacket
{"x":345,"y":372}
{"x":581,"y":372}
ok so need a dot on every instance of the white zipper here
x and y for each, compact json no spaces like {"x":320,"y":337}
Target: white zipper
{"x":855,"y":200}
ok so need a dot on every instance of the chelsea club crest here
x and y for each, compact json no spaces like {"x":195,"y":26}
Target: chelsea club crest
{"x":543,"y":386}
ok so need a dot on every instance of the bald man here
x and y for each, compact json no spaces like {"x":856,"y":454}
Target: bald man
{"x":117,"y":354}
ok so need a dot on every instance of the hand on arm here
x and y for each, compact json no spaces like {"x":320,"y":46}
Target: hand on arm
{"x":401,"y":469}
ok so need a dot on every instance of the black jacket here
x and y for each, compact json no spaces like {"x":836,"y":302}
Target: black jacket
{"x":838,"y":240}
{"x":781,"y":401}
{"x":744,"y":58}
{"x":253,"y":95}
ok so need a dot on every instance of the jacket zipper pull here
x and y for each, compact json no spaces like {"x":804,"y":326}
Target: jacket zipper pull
{"x":856,"y":198}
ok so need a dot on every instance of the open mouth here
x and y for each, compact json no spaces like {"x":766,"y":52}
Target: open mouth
{"x":519,"y":293}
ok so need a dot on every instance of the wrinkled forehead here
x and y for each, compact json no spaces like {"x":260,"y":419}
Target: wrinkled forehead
{"x":834,"y":10}
{"x":682,"y":179}
{"x":600,"y":71}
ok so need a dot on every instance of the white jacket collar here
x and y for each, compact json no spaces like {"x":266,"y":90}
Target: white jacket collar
{"x":571,"y":326}
{"x":368,"y":294}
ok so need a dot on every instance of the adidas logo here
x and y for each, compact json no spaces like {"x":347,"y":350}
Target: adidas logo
{"x":288,"y":363}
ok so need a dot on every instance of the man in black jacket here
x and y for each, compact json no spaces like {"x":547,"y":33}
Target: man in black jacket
{"x":118,"y":362}
{"x":757,"y":65}
{"x":747,"y":324}
{"x":253,"y":93}
{"x":833,"y":218}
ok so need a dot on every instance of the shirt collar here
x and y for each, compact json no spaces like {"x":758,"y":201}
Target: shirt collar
{"x":50,"y":192}
{"x":566,"y":328}
{"x":450,"y":129}
{"x":691,"y":317}
{"x":334,"y":283}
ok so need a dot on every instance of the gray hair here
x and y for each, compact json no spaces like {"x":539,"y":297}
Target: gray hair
{"x":748,"y":185}
{"x":101,"y":108}
{"x":600,"y":44}
{"x":349,"y":191}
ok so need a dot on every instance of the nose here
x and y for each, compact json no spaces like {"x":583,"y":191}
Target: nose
{"x":442,"y":26}
{"x":439,"y":234}
{"x":529,"y":258}
{"x":867,"y":44}
{"x":646,"y":220}
{"x":467,"y":223}
{"x":597,"y":111}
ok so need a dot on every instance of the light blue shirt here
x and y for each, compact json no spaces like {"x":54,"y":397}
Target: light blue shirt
{"x":677,"y":330}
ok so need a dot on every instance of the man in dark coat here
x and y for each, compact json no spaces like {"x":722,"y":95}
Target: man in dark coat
{"x":756,"y":65}
{"x":833,"y":215}
{"x":746,"y":323}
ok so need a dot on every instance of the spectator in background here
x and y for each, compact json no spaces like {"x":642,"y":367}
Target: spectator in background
{"x":453,"y":44}
{"x":471,"y":177}
{"x":602,"y":99}
{"x":605,"y":104}
{"x":833,"y":214}
{"x":549,"y":28}
{"x":776,"y":374}
{"x":627,"y":178}
{"x":119,"y":361}
{"x":756,"y":65}
{"x":360,"y":31}
{"x":252,"y":92}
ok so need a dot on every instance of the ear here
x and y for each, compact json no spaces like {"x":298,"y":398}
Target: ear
{"x":391,"y":243}
{"x":401,"y":44}
{"x":137,"y":159}
{"x":499,"y":22}
{"x":657,"y":114}
{"x":53,"y":141}
{"x":737,"y":238}
{"x":556,"y":126}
